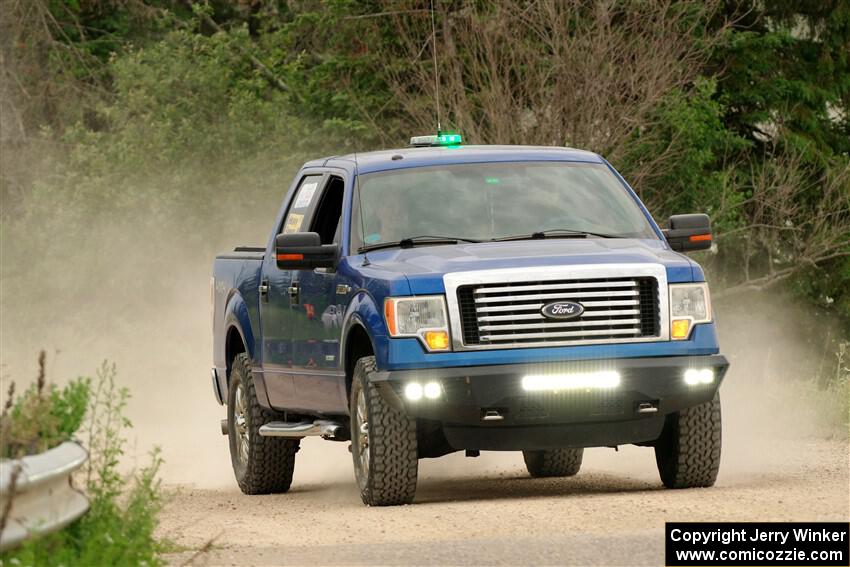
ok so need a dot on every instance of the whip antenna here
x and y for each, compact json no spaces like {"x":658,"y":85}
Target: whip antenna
{"x":359,"y":207}
{"x":436,"y":68}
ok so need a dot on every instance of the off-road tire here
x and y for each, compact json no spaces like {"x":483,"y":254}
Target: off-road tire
{"x":688,"y":451}
{"x":393,"y":462}
{"x":553,"y":462}
{"x":271,"y":460}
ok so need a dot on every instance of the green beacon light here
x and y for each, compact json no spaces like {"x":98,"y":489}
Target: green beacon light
{"x":441,"y":139}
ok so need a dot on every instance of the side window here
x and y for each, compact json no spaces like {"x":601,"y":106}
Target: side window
{"x":328,"y":217}
{"x":301,"y":205}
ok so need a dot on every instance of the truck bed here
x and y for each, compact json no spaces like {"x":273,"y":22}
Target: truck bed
{"x":243,"y":253}
{"x":236,"y":279}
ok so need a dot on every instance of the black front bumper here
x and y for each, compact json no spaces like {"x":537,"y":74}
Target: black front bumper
{"x":633,"y":412}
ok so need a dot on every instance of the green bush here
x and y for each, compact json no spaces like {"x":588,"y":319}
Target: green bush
{"x":43,"y":416}
{"x":119,"y":527}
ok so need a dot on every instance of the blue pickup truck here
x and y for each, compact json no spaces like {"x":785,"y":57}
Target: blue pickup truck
{"x":443,"y":297}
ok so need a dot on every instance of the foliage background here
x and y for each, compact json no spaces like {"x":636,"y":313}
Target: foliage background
{"x":158,"y":131}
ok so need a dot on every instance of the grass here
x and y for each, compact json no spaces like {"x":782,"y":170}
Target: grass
{"x":836,"y":391}
{"x":119,"y":527}
{"x":827,"y":395}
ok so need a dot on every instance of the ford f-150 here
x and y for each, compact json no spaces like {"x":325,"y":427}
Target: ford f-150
{"x":444,"y":297}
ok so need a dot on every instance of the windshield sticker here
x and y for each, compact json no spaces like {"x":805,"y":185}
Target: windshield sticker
{"x":293,"y":223}
{"x":305,"y":196}
{"x":372,"y":238}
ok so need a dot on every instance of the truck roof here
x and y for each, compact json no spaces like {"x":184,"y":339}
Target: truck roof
{"x":369,"y":162}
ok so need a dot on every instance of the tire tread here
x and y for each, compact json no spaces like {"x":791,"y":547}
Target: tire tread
{"x":688,"y":452}
{"x":271,"y":461}
{"x":394,"y":466}
{"x":553,"y":462}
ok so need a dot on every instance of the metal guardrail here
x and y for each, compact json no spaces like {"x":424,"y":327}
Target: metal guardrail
{"x":44,"y":500}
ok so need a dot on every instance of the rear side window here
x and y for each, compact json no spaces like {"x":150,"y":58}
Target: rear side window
{"x":305,"y":198}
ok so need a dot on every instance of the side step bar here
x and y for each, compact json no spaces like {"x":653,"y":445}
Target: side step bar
{"x":319,"y":428}
{"x":323,"y":428}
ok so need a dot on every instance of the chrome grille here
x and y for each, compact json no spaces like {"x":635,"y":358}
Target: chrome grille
{"x":507,"y":314}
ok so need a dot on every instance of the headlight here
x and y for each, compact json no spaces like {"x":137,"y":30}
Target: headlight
{"x":423,"y":317}
{"x":689,"y":305}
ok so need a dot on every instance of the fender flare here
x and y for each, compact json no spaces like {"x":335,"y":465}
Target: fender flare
{"x":361,"y":309}
{"x":236,"y":316}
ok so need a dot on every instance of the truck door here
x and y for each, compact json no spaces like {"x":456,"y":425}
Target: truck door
{"x":276,"y":286}
{"x":317,"y":312}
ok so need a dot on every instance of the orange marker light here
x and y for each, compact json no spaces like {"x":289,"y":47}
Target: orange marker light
{"x":285,"y":257}
{"x":389,"y":315}
{"x":679,"y":328}
{"x":699,"y":237}
{"x":437,"y":340}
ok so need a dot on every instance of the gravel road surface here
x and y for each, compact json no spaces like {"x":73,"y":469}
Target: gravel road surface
{"x":488,"y":511}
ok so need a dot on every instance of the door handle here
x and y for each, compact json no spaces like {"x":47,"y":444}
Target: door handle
{"x":293,"y":293}
{"x":264,"y":290}
{"x":343,"y":289}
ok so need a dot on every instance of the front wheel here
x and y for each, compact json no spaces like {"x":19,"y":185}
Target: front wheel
{"x":688,"y":451}
{"x":262,"y":465}
{"x":383,"y":443}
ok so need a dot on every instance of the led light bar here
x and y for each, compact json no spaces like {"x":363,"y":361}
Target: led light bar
{"x":585,"y":380}
{"x":440,"y":139}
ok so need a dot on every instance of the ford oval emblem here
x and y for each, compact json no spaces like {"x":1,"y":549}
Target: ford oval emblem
{"x":562,"y":310}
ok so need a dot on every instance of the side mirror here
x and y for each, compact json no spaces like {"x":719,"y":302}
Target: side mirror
{"x":304,"y":251}
{"x":688,"y":232}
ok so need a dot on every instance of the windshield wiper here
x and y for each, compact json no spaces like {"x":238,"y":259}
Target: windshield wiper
{"x":412,"y":241}
{"x":555,"y":233}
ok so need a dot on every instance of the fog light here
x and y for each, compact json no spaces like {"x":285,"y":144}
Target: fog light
{"x":413,"y":391}
{"x":694,"y":376}
{"x":604,"y":379}
{"x":432,"y":390}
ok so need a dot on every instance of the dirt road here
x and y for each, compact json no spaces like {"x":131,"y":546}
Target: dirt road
{"x":488,"y":511}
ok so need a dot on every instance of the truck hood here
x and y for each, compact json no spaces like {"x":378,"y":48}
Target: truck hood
{"x":424,"y":266}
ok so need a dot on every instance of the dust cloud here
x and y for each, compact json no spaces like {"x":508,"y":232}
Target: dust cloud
{"x":145,"y":307}
{"x":138,"y":296}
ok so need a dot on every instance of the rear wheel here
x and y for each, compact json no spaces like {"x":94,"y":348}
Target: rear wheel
{"x":262,"y":465}
{"x":383,"y":443}
{"x":553,"y":462}
{"x":688,"y":451}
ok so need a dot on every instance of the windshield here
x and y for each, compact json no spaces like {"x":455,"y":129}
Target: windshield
{"x":484,"y":201}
